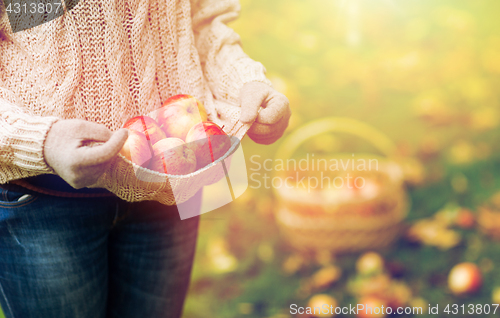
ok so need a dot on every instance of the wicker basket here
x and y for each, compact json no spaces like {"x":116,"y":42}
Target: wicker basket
{"x":344,"y":219}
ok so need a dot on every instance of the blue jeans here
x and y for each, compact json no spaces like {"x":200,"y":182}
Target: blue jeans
{"x":93,"y":257}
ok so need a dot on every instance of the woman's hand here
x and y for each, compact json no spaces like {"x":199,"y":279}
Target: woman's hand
{"x":66,"y":150}
{"x":272,"y":119}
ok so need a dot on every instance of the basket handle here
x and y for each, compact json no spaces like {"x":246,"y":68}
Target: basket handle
{"x":336,"y":124}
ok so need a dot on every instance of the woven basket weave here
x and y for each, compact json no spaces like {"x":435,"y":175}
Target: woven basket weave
{"x":319,"y":221}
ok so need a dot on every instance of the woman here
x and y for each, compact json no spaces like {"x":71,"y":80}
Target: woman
{"x":68,"y":250}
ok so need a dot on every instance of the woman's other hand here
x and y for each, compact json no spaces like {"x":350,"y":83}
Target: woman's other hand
{"x":272,"y":119}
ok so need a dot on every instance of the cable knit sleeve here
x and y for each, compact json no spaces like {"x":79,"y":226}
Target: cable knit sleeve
{"x":22,"y":137}
{"x":226,"y":67}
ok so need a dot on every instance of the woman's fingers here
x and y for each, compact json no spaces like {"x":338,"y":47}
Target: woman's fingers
{"x":276,"y":108}
{"x":100,"y":154}
{"x":268,"y":134}
{"x":261,"y":102}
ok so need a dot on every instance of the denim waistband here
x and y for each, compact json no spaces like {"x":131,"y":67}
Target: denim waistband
{"x":53,"y":184}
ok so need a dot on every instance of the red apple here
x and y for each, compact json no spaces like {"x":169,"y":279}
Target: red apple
{"x":371,"y":306}
{"x":179,"y":113}
{"x":465,"y":278}
{"x":173,"y":156}
{"x":148,"y":126}
{"x":137,"y":149}
{"x":208,"y":141}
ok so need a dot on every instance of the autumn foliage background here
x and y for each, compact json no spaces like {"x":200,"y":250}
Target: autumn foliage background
{"x":426,"y":73}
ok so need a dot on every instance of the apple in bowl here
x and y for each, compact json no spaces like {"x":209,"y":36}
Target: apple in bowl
{"x":148,"y":126}
{"x":179,"y":113}
{"x":137,"y":148}
{"x":173,"y":156}
{"x":209,"y":143}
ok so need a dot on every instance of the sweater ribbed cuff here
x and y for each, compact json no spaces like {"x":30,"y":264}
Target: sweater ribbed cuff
{"x":241,"y":72}
{"x":26,"y":142}
{"x":256,"y":72}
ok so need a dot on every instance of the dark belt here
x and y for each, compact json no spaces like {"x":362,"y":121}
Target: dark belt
{"x":54,"y":185}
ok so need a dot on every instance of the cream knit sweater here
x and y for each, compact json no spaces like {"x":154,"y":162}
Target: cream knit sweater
{"x":107,"y":61}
